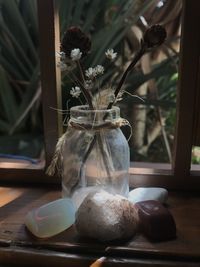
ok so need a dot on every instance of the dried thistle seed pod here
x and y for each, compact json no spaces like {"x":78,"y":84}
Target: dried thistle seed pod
{"x":75,"y":38}
{"x":154,"y":36}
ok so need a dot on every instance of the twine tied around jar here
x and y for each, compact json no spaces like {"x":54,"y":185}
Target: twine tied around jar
{"x":56,"y":162}
{"x":118,"y":123}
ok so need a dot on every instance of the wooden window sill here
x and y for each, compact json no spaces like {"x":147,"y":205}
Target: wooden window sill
{"x":19,"y":247}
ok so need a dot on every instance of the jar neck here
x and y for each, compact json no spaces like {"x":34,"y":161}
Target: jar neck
{"x":81,"y":115}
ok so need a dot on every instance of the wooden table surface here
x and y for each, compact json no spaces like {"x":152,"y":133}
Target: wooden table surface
{"x":18,"y":246}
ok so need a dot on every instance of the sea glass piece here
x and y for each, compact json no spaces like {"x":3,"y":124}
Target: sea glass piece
{"x":148,"y":193}
{"x":51,"y":219}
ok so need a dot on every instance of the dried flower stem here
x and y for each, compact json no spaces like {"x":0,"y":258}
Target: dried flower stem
{"x":136,"y":58}
{"x":81,"y":71}
{"x":88,"y":95}
{"x":85,"y":92}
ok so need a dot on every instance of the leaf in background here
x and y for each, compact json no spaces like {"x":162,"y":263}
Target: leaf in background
{"x":19,"y":56}
{"x":10,"y":68}
{"x":13,"y":42}
{"x":7,"y":99}
{"x":28,"y":10}
{"x":27,"y":101}
{"x":15,"y":22}
{"x":8,"y":53}
{"x":138,"y":78}
{"x":26,"y":111}
{"x":113,"y":34}
{"x":78,"y":11}
{"x":91,"y":15}
{"x":65,"y":12}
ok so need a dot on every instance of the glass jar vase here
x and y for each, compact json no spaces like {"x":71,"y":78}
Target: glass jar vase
{"x":95,"y":154}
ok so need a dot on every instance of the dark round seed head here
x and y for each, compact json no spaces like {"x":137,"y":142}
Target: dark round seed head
{"x":154,"y":36}
{"x":75,"y":38}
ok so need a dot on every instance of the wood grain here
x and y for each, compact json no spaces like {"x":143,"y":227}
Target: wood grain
{"x":17,"y":241}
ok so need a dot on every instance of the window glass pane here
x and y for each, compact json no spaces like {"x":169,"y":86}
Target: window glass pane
{"x":154,"y":120}
{"x":195,"y":159}
{"x":21,"y":127}
{"x":119,"y":25}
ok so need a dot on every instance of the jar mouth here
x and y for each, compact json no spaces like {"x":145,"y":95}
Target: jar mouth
{"x":85,"y":109}
{"x":82,"y":114}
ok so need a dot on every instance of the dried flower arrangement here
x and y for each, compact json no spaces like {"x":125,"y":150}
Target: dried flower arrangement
{"x":76,"y":45}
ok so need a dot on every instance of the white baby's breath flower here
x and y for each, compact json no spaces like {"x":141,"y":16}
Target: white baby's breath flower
{"x":110,"y":54}
{"x":75,"y":91}
{"x":75,"y":54}
{"x":91,"y":73}
{"x":64,"y":63}
{"x":88,"y":84}
{"x":99,"y":69}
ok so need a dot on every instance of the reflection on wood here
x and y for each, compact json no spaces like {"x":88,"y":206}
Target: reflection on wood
{"x":20,"y":164}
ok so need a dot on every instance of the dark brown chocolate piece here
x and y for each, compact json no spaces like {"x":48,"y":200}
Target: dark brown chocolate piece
{"x":155,"y":220}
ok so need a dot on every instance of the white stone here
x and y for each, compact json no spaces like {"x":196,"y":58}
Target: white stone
{"x":148,"y":193}
{"x":106,"y":217}
{"x":80,"y":194}
{"x":51,"y":219}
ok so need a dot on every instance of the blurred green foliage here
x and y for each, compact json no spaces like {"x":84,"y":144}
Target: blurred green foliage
{"x":20,"y":94}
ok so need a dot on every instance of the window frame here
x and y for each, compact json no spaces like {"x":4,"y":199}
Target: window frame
{"x":51,"y":95}
{"x":187,"y":120}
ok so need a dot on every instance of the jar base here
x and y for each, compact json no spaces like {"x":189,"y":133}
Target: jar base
{"x":81,"y":193}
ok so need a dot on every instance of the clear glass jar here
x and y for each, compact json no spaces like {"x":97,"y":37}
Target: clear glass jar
{"x":95,"y":154}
